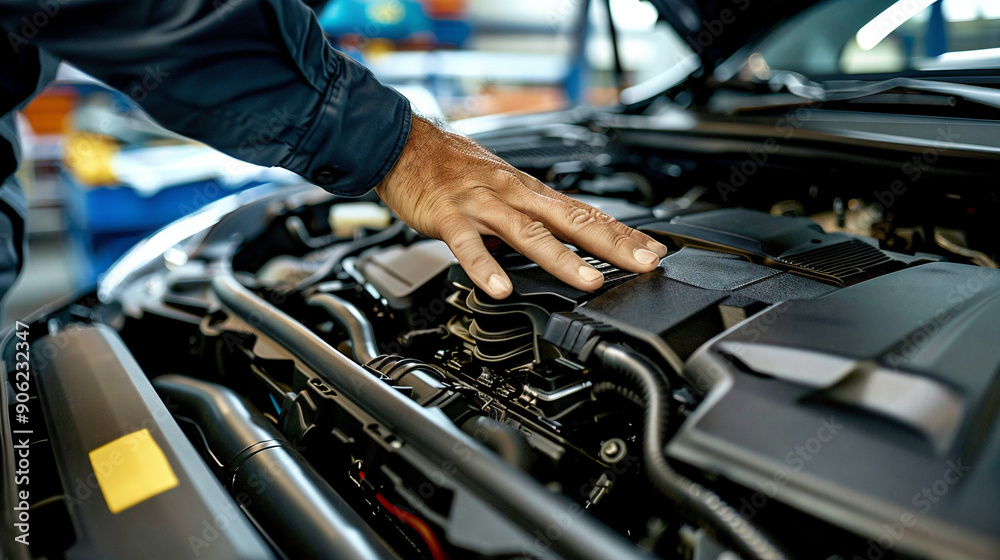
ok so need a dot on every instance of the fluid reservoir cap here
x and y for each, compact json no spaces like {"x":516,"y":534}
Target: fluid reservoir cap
{"x":346,"y":217}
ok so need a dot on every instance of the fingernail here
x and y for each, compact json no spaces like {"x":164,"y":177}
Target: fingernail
{"x":645,"y":256}
{"x":659,"y":248}
{"x":498,"y":284}
{"x":589,"y":274}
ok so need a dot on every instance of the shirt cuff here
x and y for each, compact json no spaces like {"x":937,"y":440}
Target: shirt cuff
{"x":358,"y":132}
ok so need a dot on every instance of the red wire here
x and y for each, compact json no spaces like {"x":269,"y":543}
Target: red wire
{"x":418,"y":525}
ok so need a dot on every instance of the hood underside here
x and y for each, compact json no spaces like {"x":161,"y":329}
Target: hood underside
{"x":717,"y":29}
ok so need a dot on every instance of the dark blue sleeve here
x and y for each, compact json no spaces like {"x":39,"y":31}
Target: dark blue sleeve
{"x":255,"y":79}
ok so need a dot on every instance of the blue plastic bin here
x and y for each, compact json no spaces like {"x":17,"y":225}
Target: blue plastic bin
{"x":107,"y":221}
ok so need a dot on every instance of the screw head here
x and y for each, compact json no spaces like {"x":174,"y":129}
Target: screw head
{"x":613,"y":450}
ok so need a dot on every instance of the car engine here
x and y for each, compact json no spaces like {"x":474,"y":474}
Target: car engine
{"x":327,"y":383}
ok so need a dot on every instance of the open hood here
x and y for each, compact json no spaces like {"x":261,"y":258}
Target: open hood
{"x":717,"y":29}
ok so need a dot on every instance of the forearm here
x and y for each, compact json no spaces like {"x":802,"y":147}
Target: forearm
{"x":253,"y":78}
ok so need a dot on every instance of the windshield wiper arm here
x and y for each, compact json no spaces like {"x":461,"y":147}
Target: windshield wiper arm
{"x":798,"y":85}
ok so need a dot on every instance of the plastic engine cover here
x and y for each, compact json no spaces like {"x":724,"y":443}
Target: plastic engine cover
{"x":874,"y":407}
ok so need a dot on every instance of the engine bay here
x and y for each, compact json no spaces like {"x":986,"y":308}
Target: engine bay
{"x":807,"y":374}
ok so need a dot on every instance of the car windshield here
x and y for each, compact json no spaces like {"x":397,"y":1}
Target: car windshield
{"x":853,"y":38}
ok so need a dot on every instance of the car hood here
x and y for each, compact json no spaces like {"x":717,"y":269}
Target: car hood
{"x":717,"y":29}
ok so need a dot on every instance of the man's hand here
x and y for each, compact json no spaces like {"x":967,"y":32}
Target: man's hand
{"x":449,"y":187}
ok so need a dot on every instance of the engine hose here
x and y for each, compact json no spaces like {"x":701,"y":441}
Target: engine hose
{"x":502,"y":439}
{"x":350,"y":248}
{"x":712,"y":514}
{"x":285,"y":496}
{"x":611,"y":387}
{"x":358,"y":327}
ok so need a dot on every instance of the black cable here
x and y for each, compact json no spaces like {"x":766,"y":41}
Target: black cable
{"x":713,"y":515}
{"x":350,"y":248}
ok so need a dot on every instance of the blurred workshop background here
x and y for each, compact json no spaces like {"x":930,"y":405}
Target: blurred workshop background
{"x":100,"y":175}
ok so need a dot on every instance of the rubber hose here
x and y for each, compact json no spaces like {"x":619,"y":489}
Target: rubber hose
{"x":502,"y":439}
{"x":624,"y":392}
{"x":358,"y":327}
{"x":712,"y":514}
{"x":296,"y":507}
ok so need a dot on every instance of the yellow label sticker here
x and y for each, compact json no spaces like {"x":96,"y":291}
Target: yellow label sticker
{"x":131,"y":470}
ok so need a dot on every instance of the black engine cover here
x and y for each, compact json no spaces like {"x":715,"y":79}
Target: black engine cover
{"x":874,"y":407}
{"x":693,"y":296}
{"x":797,"y":245}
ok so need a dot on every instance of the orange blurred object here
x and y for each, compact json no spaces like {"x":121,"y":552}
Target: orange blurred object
{"x":48,"y":112}
{"x":511,"y":99}
{"x":444,"y":8}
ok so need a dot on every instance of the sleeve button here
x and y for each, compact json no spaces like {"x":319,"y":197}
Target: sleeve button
{"x":324,"y":176}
